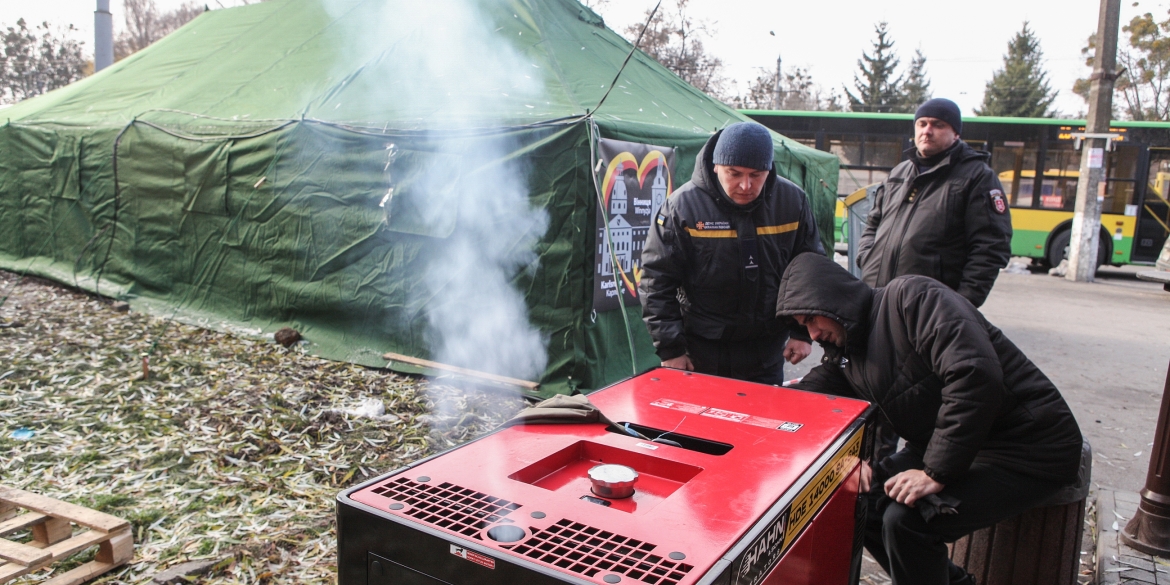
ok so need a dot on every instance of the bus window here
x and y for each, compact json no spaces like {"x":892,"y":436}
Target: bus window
{"x":1159,"y":187}
{"x":864,"y":160}
{"x":847,"y":149}
{"x":852,"y":178}
{"x":1154,"y":213}
{"x":883,"y":152}
{"x":1061,"y":170}
{"x":810,"y":142}
{"x":1015,"y":163}
{"x":1121,"y":180}
{"x":977,"y":144}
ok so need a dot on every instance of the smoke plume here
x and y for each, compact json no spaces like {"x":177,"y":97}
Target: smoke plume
{"x":413,"y":54}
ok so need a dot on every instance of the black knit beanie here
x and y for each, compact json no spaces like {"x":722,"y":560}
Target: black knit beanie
{"x":745,"y":144}
{"x":944,"y":110}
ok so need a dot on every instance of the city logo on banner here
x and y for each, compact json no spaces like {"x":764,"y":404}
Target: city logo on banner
{"x":637,"y":179}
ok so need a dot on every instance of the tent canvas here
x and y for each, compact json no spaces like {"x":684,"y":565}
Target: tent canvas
{"x":309,"y":163}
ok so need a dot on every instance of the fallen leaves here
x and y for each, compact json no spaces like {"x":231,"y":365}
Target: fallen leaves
{"x":232,"y":449}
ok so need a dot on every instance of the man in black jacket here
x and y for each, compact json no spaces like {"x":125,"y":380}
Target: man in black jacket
{"x":987,"y":433}
{"x":714,"y":257}
{"x":942,"y":213}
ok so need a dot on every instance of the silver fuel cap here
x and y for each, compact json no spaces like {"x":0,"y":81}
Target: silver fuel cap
{"x":613,"y":481}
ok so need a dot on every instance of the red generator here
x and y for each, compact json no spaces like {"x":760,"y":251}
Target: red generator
{"x":732,"y":483}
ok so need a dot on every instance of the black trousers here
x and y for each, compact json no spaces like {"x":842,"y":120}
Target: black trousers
{"x":758,"y":359}
{"x":912,"y":550}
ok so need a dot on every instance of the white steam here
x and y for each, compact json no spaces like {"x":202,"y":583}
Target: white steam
{"x":445,"y":66}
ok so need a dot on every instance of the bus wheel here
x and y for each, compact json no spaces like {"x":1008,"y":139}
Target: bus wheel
{"x":1058,"y":249}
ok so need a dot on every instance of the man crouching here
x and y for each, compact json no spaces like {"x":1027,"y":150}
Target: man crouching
{"x":988,"y":435}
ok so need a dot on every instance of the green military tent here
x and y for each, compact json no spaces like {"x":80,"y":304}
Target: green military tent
{"x":308,"y":163}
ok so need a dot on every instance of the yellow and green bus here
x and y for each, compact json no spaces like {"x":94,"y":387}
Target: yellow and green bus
{"x":1037,"y":162}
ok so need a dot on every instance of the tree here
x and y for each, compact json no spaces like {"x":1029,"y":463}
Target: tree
{"x":797,"y":92}
{"x":1020,"y":88}
{"x":877,"y":88}
{"x":145,"y":24}
{"x":1144,"y":82}
{"x":38,"y":60}
{"x":675,"y":40}
{"x":916,"y":88}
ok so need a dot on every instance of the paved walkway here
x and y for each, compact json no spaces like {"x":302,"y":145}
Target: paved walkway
{"x":1116,"y":562}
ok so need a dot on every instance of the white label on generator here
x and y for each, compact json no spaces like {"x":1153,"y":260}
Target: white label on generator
{"x":676,"y":405}
{"x":647,"y":446}
{"x":470,"y":555}
{"x":726,"y":415}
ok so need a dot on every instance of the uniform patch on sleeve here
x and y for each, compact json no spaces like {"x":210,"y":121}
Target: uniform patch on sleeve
{"x":998,"y":201}
{"x":661,"y":219}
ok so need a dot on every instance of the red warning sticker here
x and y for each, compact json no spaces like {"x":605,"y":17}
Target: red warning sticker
{"x":676,"y":405}
{"x":739,"y":417}
{"x":727,"y":415}
{"x":473,"y":556}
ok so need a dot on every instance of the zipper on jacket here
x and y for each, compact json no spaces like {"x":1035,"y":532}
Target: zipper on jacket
{"x":905,"y":227}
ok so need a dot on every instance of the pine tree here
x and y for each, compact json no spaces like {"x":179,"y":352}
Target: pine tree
{"x":877,"y":88}
{"x":1020,"y":88}
{"x":916,"y":89}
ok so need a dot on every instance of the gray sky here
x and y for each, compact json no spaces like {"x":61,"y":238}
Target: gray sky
{"x":964,"y":43}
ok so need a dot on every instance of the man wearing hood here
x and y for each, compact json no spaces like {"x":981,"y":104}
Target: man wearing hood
{"x":987,"y":433}
{"x":714,"y":257}
{"x":942,"y":213}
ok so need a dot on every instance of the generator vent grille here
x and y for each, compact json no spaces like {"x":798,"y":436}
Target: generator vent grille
{"x":448,"y":506}
{"x":587,"y":550}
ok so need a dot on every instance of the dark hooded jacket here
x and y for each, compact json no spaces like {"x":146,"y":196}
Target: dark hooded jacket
{"x":947,"y":381}
{"x":700,"y":242}
{"x":950,"y":222}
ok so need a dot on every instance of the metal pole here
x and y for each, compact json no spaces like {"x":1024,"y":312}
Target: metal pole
{"x":1083,"y":245}
{"x":103,"y":36}
{"x":1149,"y":530}
{"x":779,"y":85}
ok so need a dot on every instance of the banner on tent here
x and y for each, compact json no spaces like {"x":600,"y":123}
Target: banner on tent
{"x":637,"y":179}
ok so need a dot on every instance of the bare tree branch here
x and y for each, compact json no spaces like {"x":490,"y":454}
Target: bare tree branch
{"x":34,"y":61}
{"x":145,"y":24}
{"x":675,"y":40}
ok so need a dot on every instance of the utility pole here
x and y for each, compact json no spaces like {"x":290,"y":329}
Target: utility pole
{"x":779,"y":99}
{"x":1086,"y":226}
{"x":103,"y":36}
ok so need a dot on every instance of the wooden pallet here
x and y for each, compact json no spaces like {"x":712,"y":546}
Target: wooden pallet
{"x":52,"y":524}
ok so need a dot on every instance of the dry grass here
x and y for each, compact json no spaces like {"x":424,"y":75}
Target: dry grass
{"x":232,"y":449}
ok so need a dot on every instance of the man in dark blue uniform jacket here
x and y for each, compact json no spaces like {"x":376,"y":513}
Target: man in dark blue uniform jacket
{"x":714,"y":257}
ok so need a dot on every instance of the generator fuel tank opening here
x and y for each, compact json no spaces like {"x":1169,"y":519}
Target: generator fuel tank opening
{"x":730,"y":482}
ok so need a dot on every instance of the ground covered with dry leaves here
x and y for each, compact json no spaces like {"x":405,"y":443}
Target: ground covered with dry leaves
{"x":231,"y":449}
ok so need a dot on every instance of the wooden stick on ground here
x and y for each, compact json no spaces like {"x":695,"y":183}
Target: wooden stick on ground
{"x":397,"y":357}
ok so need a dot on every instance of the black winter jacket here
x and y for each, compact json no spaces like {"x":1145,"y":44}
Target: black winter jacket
{"x":951,"y":223}
{"x":947,"y":381}
{"x":699,"y":244}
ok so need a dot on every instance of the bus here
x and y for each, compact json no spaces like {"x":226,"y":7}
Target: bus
{"x":1037,"y":162}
